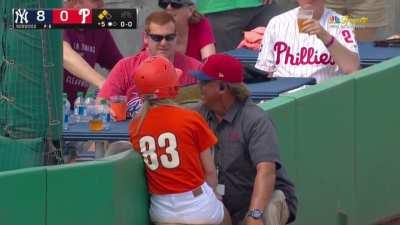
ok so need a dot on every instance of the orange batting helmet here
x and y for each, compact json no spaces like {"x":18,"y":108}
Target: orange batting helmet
{"x":156,"y":78}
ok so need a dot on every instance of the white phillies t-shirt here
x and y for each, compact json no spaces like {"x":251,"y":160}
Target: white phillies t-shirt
{"x":288,"y":53}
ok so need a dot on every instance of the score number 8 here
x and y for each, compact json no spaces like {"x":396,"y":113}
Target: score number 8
{"x":40,"y":16}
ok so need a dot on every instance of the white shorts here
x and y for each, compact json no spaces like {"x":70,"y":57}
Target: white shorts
{"x":199,"y":206}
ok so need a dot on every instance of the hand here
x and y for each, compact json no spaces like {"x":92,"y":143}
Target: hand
{"x":267,"y":2}
{"x":251,"y":221}
{"x":312,"y":27}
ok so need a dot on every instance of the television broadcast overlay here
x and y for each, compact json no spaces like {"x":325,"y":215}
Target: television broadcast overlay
{"x":75,"y":18}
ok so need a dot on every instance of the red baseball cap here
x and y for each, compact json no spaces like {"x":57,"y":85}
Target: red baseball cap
{"x":221,"y":67}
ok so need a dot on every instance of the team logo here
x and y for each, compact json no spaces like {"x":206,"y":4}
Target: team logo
{"x":21,"y":16}
{"x":134,"y":106}
{"x":347,"y":21}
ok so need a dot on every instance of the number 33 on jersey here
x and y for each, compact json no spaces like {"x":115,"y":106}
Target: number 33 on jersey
{"x":148,"y":147}
{"x":170,"y":140}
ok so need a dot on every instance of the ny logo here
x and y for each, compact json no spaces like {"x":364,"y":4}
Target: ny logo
{"x":21,"y":15}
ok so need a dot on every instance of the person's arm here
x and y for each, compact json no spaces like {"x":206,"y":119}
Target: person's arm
{"x":206,"y":39}
{"x":347,"y":60}
{"x":116,"y":82}
{"x":262,"y":190}
{"x":76,"y":65}
{"x":207,"y":51}
{"x":266,"y":57}
{"x":264,"y":154}
{"x":210,"y":172}
{"x":204,"y":139}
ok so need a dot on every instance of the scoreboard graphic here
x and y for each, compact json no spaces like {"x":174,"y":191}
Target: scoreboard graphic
{"x":75,"y":18}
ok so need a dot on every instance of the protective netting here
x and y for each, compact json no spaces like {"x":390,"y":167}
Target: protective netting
{"x":30,"y":82}
{"x":18,"y":153}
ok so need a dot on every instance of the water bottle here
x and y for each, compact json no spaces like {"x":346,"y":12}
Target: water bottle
{"x":79,"y":108}
{"x":66,"y":111}
{"x":105,"y":114}
{"x":90,"y":104}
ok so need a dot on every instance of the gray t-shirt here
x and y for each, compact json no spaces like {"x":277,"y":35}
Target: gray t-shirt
{"x":246,"y":136}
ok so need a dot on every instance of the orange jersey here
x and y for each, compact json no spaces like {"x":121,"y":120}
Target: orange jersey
{"x":171,"y":140}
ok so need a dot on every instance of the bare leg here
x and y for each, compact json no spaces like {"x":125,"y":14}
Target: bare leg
{"x":227,"y":218}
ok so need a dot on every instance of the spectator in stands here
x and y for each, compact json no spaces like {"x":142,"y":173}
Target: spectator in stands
{"x":94,"y":46}
{"x":229,"y":18}
{"x":160,"y":34}
{"x":252,"y":179}
{"x":323,"y":49}
{"x":373,"y":10}
{"x":195,"y":37}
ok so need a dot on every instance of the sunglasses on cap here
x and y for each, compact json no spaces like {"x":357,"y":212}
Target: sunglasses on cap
{"x":159,"y":38}
{"x":176,"y":4}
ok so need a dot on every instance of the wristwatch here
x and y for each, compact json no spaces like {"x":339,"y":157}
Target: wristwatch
{"x":255,"y":213}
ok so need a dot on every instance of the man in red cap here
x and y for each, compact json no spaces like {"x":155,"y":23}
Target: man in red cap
{"x":251,"y":177}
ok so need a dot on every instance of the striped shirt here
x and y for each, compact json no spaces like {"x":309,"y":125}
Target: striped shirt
{"x":288,"y":53}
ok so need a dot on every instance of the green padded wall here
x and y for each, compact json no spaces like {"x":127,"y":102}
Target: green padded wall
{"x":107,"y":192}
{"x":23,"y":197}
{"x":131,"y":199}
{"x":345,"y":147}
{"x":282,"y":112}
{"x":378,"y":142}
{"x":324,"y":154}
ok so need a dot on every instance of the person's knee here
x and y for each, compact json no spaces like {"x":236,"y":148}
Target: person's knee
{"x":277,"y":212}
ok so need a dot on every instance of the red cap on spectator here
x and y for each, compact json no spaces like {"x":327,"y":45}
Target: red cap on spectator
{"x":221,"y":67}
